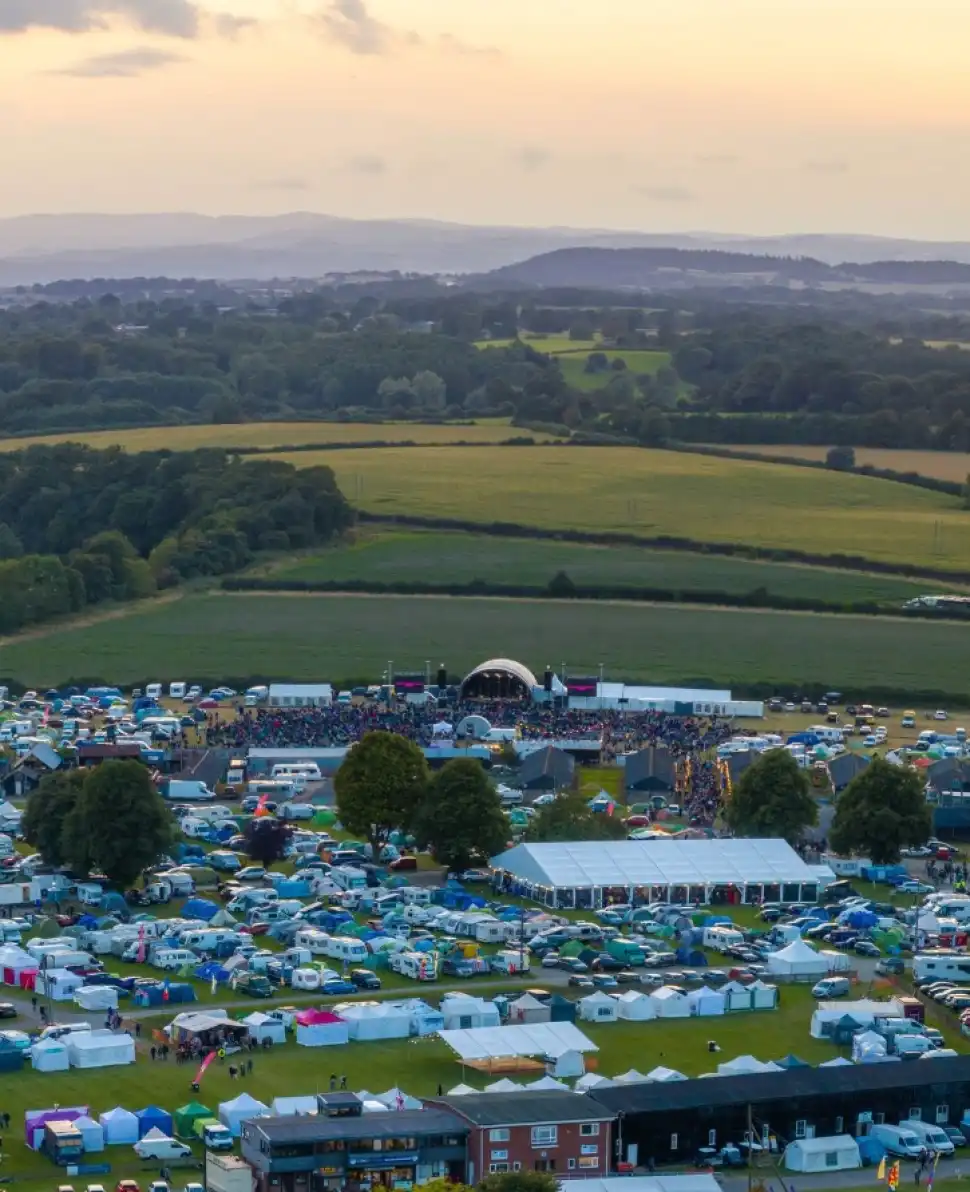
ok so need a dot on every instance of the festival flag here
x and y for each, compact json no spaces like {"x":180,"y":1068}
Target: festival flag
{"x":202,"y":1067}
{"x":881,"y":1172}
{"x":892,"y":1179}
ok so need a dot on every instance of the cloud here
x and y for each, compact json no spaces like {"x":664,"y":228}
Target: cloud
{"x":666,"y":194}
{"x":126,"y":64}
{"x":831,"y":165}
{"x":175,"y":18}
{"x":532,"y":157}
{"x":718,"y":159}
{"x":367,"y":163}
{"x":454,"y":45}
{"x":350,"y":24}
{"x":291,"y":184}
{"x":228,"y":26}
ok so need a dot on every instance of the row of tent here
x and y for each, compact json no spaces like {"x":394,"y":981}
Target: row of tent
{"x":635,"y":1006}
{"x":82,"y":1049}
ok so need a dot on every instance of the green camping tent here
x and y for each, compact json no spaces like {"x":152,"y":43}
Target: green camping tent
{"x":184,"y":1119}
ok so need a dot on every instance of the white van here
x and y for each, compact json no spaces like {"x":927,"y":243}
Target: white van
{"x":830,"y":987}
{"x":348,"y":877}
{"x":932,"y":1137}
{"x":173,"y":958}
{"x":177,"y":690}
{"x":161,"y":1148}
{"x":309,"y":771}
{"x":720,"y":937}
{"x":898,"y":1140}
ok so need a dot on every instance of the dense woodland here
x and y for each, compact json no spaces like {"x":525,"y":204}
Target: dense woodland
{"x":78,"y":526}
{"x":833,"y":369}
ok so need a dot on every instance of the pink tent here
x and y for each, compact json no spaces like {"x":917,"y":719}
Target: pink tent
{"x":320,"y":1028}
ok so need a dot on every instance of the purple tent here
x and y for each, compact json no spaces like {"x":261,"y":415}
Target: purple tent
{"x":35,"y":1119}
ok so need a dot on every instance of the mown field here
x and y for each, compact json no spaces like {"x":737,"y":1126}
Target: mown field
{"x":657,"y":493}
{"x":351,"y":637}
{"x":572,"y":354}
{"x":398,"y":556}
{"x":944,"y":465}
{"x":276,"y":434}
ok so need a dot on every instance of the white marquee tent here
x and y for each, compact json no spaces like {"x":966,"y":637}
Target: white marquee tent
{"x":737,"y":996}
{"x":262,"y":1026}
{"x":376,"y":1020}
{"x":598,"y":1007}
{"x":837,"y":1153}
{"x":798,"y":959}
{"x":633,"y":1006}
{"x":100,"y":1049}
{"x":503,"y":1042}
{"x":240,"y":1109}
{"x":670,"y":1003}
{"x":96,"y":997}
{"x":707,"y":1003}
{"x":58,"y":984}
{"x":120,"y":1126}
{"x":50,"y":1055}
{"x":462,"y":1011}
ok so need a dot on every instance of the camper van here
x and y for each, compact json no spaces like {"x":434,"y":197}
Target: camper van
{"x":419,"y":966}
{"x":931,"y":1136}
{"x":153,"y":691}
{"x":313,"y":941}
{"x":941,"y":965}
{"x":510,"y":963}
{"x":721,"y":938}
{"x":341,"y":947}
{"x":308,"y":771}
{"x":173,"y":958}
{"x":898,"y":1140}
{"x":177,"y":690}
{"x":348,"y":877}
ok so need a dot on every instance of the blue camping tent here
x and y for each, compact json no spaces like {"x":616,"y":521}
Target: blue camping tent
{"x":200,"y":908}
{"x":153,"y":1118}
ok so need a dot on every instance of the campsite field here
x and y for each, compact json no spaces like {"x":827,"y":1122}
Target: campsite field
{"x":277,"y":434}
{"x":418,"y":1066}
{"x":400,"y":556}
{"x":235,"y":637}
{"x":658,"y":493}
{"x":943,"y":465}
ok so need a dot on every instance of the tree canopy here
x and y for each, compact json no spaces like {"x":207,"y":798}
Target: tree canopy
{"x":381,"y":787}
{"x":461,"y":819}
{"x":882,"y":811}
{"x":772,"y":798}
{"x":568,"y":817}
{"x":47,"y":808}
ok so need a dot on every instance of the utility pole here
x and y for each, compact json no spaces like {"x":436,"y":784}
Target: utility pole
{"x":750,"y":1148}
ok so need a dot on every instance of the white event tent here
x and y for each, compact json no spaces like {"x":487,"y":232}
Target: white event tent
{"x":100,"y":1049}
{"x":798,"y":959}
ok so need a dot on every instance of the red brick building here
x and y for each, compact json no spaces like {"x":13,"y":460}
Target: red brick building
{"x":562,"y":1132}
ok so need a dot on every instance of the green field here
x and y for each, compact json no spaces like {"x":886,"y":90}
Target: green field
{"x":340,"y":637}
{"x":419,"y":1066}
{"x":572,"y":353}
{"x":656,"y":493}
{"x":276,"y":434}
{"x":943,"y":465}
{"x":427,"y":557}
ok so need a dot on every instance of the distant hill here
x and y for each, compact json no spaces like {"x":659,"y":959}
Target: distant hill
{"x":641,"y":268}
{"x":45,"y":248}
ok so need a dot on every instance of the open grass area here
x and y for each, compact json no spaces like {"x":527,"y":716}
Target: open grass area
{"x":275,"y":434}
{"x":944,"y":465}
{"x":638,"y":362}
{"x":399,"y":556}
{"x":342,"y":637}
{"x":659,"y":492}
{"x":419,"y":1066}
{"x":554,"y":345}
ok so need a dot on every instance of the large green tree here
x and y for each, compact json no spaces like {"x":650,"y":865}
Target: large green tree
{"x":47,"y":809}
{"x":568,"y":817}
{"x":119,"y":823}
{"x":461,"y":819}
{"x":880,"y":812}
{"x":773,"y":797}
{"x":381,"y":786}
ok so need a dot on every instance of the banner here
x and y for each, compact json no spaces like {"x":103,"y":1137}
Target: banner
{"x":202,"y":1067}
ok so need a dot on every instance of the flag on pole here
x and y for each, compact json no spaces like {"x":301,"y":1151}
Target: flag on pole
{"x":892,"y":1179}
{"x":881,"y":1172}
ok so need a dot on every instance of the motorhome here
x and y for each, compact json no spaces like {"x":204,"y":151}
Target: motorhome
{"x":236,"y":774}
{"x":721,"y":938}
{"x":345,"y":948}
{"x":273,"y":788}
{"x":419,"y":966}
{"x":941,"y":964}
{"x":177,"y":690}
{"x":348,"y":877}
{"x":309,"y":771}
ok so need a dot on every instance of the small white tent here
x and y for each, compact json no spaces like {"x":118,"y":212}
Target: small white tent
{"x":462,"y":1090}
{"x":547,"y":1084}
{"x":591,"y":1080}
{"x":96,"y":997}
{"x":92,"y":1134}
{"x":745,"y":1065}
{"x":100,"y":1049}
{"x":631,"y":1076}
{"x":58,"y":984}
{"x":240,"y":1109}
{"x":797,"y":960}
{"x":737,"y":996}
{"x":50,"y":1055}
{"x":503,"y":1086}
{"x":369,"y":1020}
{"x":120,"y":1127}
{"x":633,"y":1006}
{"x":763,"y":997}
{"x":461,"y":1011}
{"x":262,"y":1027}
{"x":295,"y":1106}
{"x":838,"y":1153}
{"x":529,"y":1009}
{"x":670,"y":1003}
{"x":396,"y":1098}
{"x":868,"y":1046}
{"x":598,"y":1007}
{"x":664,"y":1075}
{"x":707,"y":1003}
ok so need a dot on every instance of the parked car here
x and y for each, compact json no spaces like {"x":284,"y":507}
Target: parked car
{"x":572,"y":964}
{"x":8,"y":1010}
{"x":913,"y":886}
{"x":890,"y":965}
{"x":605,"y":981}
{"x":255,"y":985}
{"x":364,"y":979}
{"x":337,"y":986}
{"x":251,"y":873}
{"x":580,"y":982}
{"x":866,"y":948}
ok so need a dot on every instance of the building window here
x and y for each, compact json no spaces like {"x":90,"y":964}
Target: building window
{"x":571,"y":1164}
{"x":594,"y":1162}
{"x":942,"y":1114}
{"x":589,"y":1148}
{"x":673,"y":1142}
{"x":498,"y":1136}
{"x":838,"y":1125}
{"x":498,"y":1168}
{"x":915,"y":1114}
{"x":712,"y":1138}
{"x":499,"y":1155}
{"x":545,"y":1135}
{"x":800,"y":1128}
{"x":589,"y":1129}
{"x":516,"y":1166}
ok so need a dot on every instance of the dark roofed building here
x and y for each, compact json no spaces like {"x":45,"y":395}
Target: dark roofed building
{"x":94,"y":754}
{"x":648,"y":771}
{"x":547,"y":769}
{"x":27,"y":773}
{"x":846,"y":767}
{"x":949,"y":774}
{"x":669,"y":1122}
{"x":534,"y":1130}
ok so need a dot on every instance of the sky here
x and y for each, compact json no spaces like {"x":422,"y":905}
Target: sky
{"x":750,"y":116}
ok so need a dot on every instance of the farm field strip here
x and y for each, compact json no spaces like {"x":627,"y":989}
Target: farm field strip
{"x":399,"y":556}
{"x":943,"y":465}
{"x":345,"y":637}
{"x":655,"y":493}
{"x":274,"y":434}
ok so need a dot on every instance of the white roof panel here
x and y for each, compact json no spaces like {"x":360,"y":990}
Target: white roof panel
{"x":655,"y":862}
{"x":529,"y":1039}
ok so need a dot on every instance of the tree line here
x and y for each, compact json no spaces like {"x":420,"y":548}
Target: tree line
{"x":80,"y":526}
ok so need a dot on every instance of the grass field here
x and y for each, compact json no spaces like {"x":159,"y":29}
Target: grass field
{"x":659,"y":492}
{"x":425,"y":556}
{"x":944,"y":465}
{"x":341,"y":637}
{"x":276,"y":434}
{"x":554,"y":345}
{"x":572,"y":353}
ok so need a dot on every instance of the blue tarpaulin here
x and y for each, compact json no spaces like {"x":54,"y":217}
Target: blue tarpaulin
{"x":200,"y":908}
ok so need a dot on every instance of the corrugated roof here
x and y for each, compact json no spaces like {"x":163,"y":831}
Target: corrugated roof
{"x":526,"y":1108}
{"x":655,"y":862}
{"x":304,"y":1128}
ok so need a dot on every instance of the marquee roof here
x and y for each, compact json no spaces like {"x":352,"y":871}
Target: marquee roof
{"x":656,"y":862}
{"x":501,"y":1042}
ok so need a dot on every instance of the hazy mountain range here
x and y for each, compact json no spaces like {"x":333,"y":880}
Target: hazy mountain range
{"x":44,"y":248}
